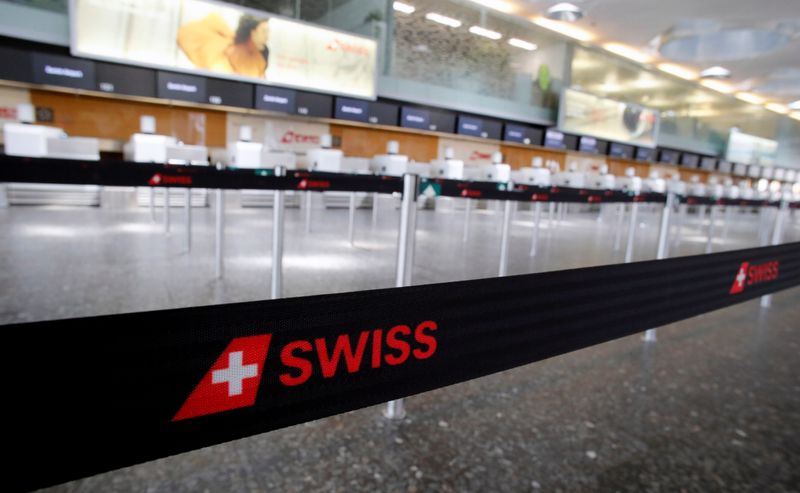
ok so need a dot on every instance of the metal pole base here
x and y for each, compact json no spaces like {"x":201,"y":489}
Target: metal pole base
{"x":395,"y":410}
{"x":649,"y":335}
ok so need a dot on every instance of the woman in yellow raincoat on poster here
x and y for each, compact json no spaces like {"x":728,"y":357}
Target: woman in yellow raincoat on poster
{"x":211,"y":44}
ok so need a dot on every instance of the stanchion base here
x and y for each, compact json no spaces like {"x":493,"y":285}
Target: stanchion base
{"x":394,"y":410}
{"x":649,"y":335}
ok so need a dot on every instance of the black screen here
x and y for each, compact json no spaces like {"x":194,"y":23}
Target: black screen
{"x":181,"y":86}
{"x":311,"y":104}
{"x":351,"y":109}
{"x":63,"y":71}
{"x":442,"y":121}
{"x":122,"y":79}
{"x":644,"y":154}
{"x":229,"y":93}
{"x":468,"y":125}
{"x":383,"y":113}
{"x":621,"y":150}
{"x":15,"y":65}
{"x":275,"y":99}
{"x":690,"y":160}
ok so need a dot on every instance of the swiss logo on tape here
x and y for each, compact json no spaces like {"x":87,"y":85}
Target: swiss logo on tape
{"x":754,"y":274}
{"x":233,"y":380}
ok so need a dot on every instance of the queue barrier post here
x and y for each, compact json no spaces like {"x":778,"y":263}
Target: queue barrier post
{"x":395,"y":409}
{"x":504,"y":238}
{"x":467,"y":213}
{"x":712,"y":215}
{"x":166,"y":210}
{"x":308,"y":198}
{"x":777,"y":237}
{"x":537,"y":216}
{"x":631,"y":232}
{"x":352,"y":219}
{"x":219,"y":231}
{"x":187,"y":207}
{"x":277,"y":239}
{"x":661,"y":249}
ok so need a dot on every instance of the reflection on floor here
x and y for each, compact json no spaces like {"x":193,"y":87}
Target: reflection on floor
{"x":714,"y":405}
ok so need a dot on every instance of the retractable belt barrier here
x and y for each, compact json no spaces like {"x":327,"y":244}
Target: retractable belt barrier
{"x":698,"y":200}
{"x":93,"y":394}
{"x":125,"y":173}
{"x":530,"y":193}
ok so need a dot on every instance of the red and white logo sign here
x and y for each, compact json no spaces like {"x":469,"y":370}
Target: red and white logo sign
{"x":232,"y":382}
{"x":295,"y":138}
{"x":748,"y":275}
{"x":159,"y":179}
{"x":234,"y":379}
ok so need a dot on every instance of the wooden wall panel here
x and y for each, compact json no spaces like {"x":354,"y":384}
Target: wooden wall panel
{"x":521,"y":157}
{"x":88,"y":116}
{"x":367,"y":142}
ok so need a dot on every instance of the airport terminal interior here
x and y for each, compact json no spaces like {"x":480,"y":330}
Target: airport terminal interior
{"x":593,"y":205}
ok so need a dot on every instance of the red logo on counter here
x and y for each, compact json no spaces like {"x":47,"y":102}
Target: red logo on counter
{"x":477,"y":155}
{"x":294,"y":138}
{"x":470,"y":193}
{"x":159,"y":179}
{"x":540,"y":197}
{"x":233,"y":380}
{"x":748,"y":275}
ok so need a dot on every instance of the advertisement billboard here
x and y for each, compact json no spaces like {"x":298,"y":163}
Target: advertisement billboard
{"x":224,"y":40}
{"x":586,"y":114}
{"x":749,"y":149}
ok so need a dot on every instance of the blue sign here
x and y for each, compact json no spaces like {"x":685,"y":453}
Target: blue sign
{"x":415,"y":118}
{"x":554,"y":139}
{"x":351,"y":109}
{"x":470,"y":126}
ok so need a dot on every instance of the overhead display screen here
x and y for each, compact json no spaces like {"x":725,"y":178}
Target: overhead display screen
{"x":586,"y":114}
{"x":224,"y":40}
{"x":749,"y":149}
{"x":621,"y":150}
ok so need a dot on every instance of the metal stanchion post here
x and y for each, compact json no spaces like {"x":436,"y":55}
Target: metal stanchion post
{"x":661,"y":250}
{"x":618,"y":229}
{"x":727,"y":221}
{"x":375,"y":197}
{"x":152,"y":204}
{"x":467,"y":213}
{"x":219,"y":236}
{"x":504,"y":236}
{"x":676,"y":240}
{"x":777,"y":237}
{"x":631,"y":232}
{"x":166,"y":210}
{"x":351,"y":226}
{"x":405,"y":241}
{"x":187,"y":193}
{"x":412,"y":244}
{"x":277,"y":239}
{"x":710,"y":239}
{"x":308,"y":211}
{"x":537,"y":216}
{"x":701,"y":216}
{"x":551,"y":210}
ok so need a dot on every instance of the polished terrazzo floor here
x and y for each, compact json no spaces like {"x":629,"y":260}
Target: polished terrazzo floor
{"x":714,"y":405}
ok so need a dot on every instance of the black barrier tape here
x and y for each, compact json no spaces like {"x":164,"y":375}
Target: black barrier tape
{"x":529,"y":193}
{"x":93,"y":394}
{"x":124,"y":173}
{"x":699,"y":200}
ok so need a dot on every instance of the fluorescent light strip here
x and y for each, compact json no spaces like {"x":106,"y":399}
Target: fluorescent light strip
{"x":561,"y":28}
{"x":795,"y":105}
{"x":749,"y":97}
{"x":522,"y":44}
{"x":442,"y":19}
{"x":777,"y":108}
{"x":795,"y":115}
{"x":627,"y":52}
{"x":486,"y":33}
{"x":404,"y":7}
{"x":500,"y":5}
{"x":718,"y":86}
{"x":677,"y":71}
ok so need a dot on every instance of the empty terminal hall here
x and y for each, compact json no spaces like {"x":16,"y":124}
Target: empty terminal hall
{"x":400,"y":246}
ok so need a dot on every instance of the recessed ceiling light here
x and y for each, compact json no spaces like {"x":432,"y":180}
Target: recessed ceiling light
{"x":561,"y":28}
{"x":403,"y":7}
{"x":500,"y":5}
{"x":486,"y":33}
{"x":718,"y":86}
{"x":777,"y":108}
{"x":795,"y":105}
{"x":678,"y":71}
{"x":525,"y":45}
{"x":564,"y":11}
{"x":715,"y":72}
{"x":749,"y":97}
{"x":442,"y":19}
{"x":627,"y":52}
